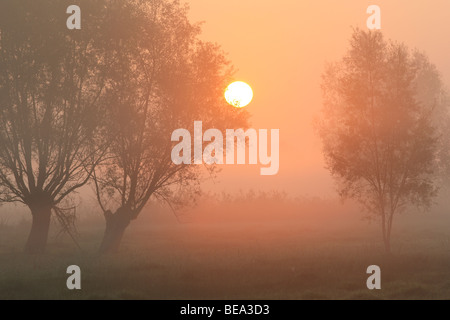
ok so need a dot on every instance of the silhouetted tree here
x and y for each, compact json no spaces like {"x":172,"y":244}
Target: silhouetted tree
{"x":51,"y":81}
{"x":163,"y":78}
{"x":381,"y":126}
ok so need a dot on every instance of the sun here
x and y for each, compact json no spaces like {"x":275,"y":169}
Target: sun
{"x":239,"y":94}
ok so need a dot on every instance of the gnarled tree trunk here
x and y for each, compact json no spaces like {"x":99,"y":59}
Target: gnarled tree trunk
{"x":115,"y":227}
{"x":37,"y":240}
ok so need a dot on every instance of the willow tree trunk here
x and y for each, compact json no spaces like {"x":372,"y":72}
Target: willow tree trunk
{"x":387,"y":245}
{"x":386,"y":238}
{"x":386,"y":225}
{"x":37,"y":240}
{"x":115,"y":227}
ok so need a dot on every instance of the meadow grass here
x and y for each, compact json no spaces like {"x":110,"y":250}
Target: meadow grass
{"x":283,"y":259}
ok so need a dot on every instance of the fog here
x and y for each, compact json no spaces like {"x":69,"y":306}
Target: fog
{"x":85,"y":165}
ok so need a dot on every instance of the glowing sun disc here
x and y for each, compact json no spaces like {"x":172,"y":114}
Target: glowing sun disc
{"x":239,"y":94}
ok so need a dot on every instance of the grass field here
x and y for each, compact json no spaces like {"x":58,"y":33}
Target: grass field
{"x":294,"y":257}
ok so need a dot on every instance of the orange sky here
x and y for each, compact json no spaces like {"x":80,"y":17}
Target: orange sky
{"x":280,"y":49}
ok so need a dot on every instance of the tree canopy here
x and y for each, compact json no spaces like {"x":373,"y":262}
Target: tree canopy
{"x":382,"y":124}
{"x":51,"y":85}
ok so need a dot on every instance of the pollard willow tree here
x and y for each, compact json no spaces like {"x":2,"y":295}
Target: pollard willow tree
{"x":382,"y":126}
{"x":163,"y":78}
{"x":51,"y":82}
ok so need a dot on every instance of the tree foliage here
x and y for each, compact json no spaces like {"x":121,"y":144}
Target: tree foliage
{"x":51,"y":84}
{"x":162,"y":78}
{"x":382,"y":122}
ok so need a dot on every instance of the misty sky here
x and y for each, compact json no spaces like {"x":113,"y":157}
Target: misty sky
{"x":281,"y":48}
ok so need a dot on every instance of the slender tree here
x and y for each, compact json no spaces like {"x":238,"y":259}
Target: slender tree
{"x":381,"y":126}
{"x":163,"y":78}
{"x":51,"y":83}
